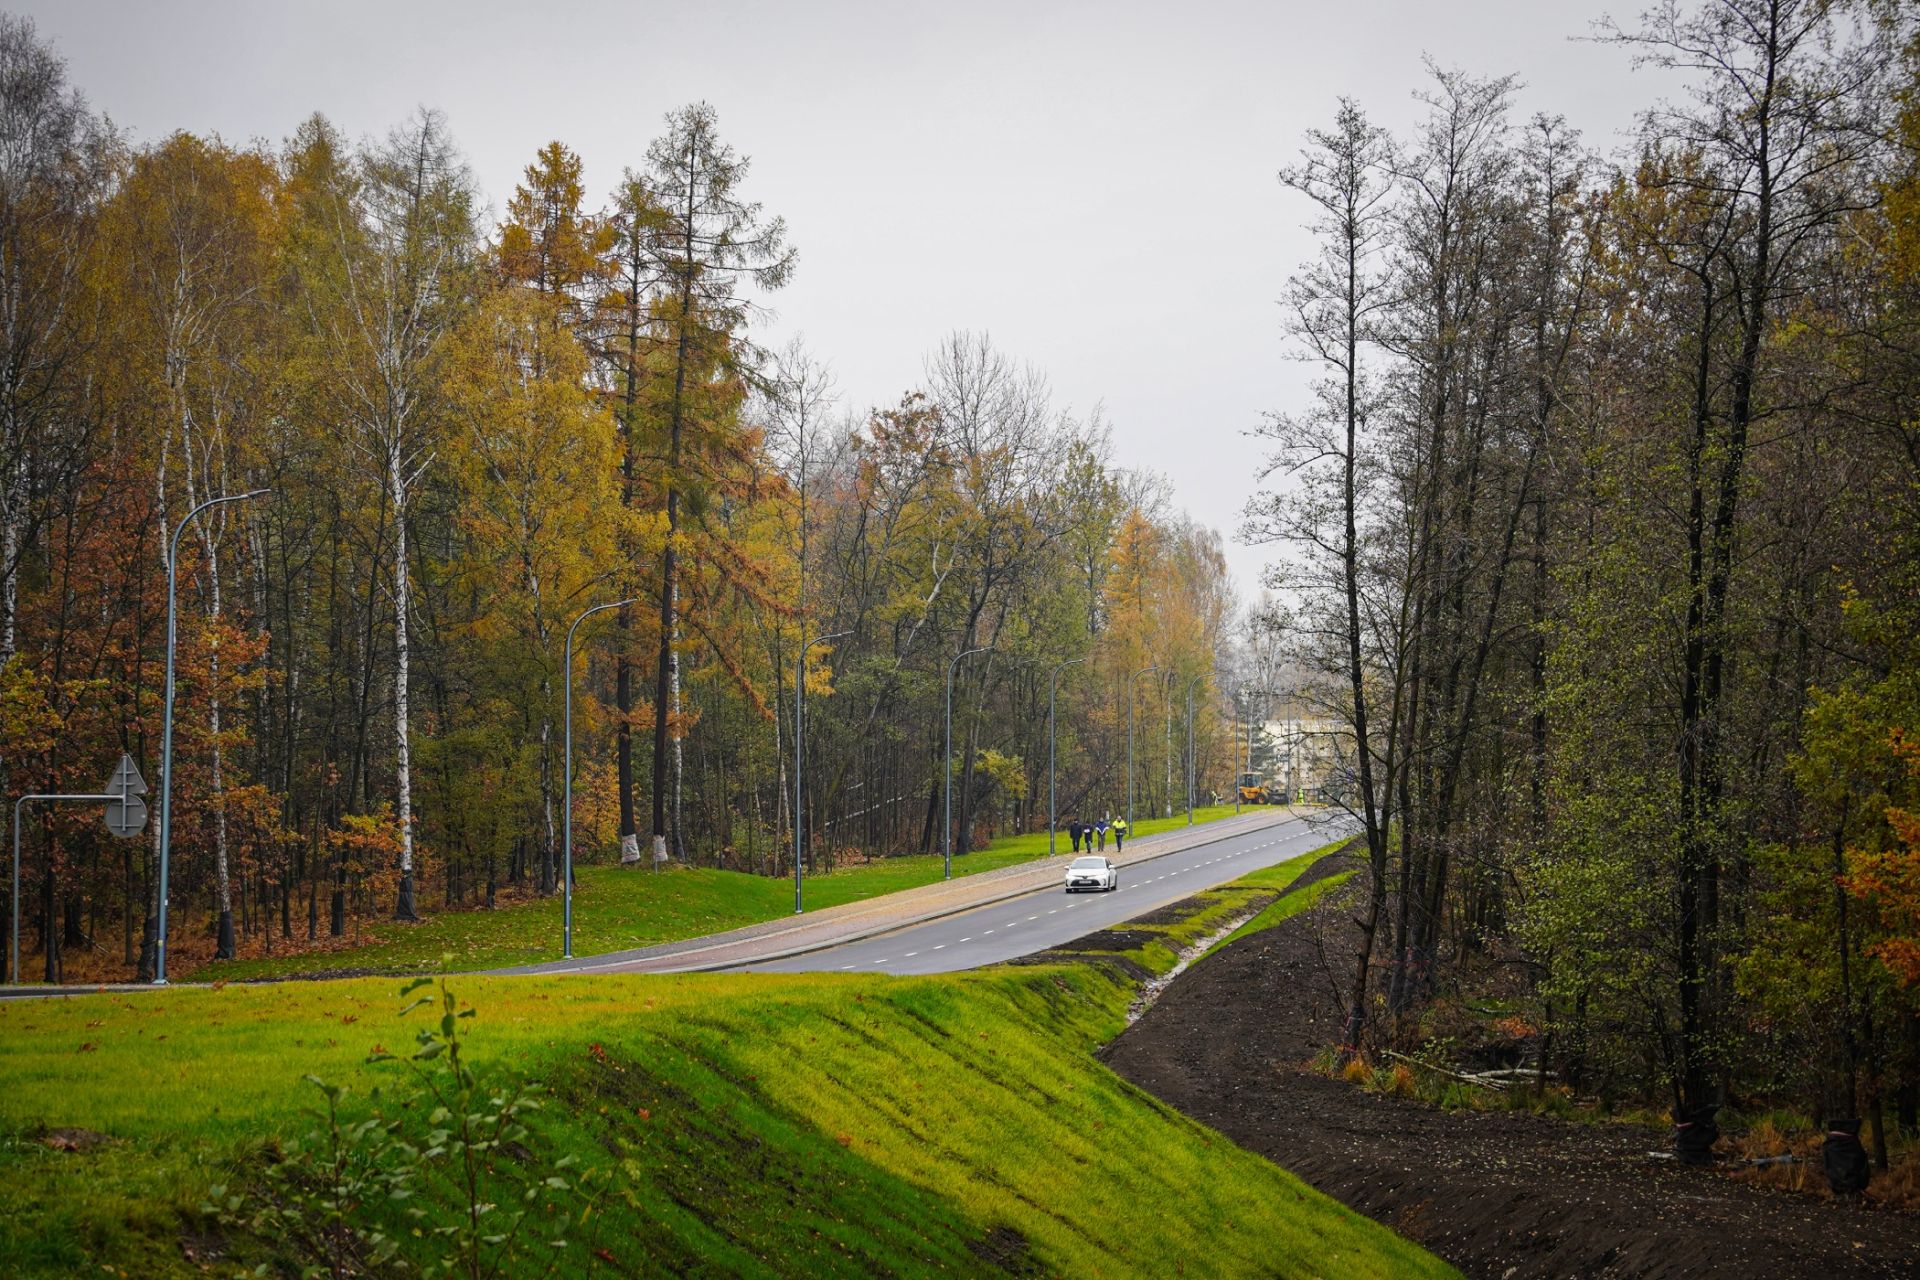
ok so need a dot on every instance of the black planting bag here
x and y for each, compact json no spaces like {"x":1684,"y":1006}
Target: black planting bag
{"x":1694,"y":1134}
{"x":1845,"y":1159}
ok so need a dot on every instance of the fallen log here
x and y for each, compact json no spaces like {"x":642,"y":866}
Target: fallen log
{"x":1495,"y":1085}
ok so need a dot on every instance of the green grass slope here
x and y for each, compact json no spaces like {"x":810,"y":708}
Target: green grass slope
{"x":615,"y":908}
{"x":743,"y":1125}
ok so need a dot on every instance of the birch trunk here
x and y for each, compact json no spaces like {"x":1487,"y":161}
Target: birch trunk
{"x":222,"y":874}
{"x":403,"y":908}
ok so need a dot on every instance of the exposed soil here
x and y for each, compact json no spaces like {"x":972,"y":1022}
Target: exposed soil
{"x":1500,"y":1195}
{"x":81,"y":1140}
{"x":1109,"y":940}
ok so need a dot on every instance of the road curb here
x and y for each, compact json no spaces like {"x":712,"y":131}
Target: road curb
{"x":1173,"y":846}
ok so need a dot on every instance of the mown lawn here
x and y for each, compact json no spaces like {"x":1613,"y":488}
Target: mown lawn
{"x":615,"y":908}
{"x":738,"y":1124}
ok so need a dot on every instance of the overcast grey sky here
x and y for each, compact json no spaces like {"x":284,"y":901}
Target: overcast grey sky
{"x":1091,"y":183}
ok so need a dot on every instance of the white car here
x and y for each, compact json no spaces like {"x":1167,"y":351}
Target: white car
{"x":1092,"y":873}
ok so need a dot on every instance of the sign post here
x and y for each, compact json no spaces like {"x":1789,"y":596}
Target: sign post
{"x":126,"y":815}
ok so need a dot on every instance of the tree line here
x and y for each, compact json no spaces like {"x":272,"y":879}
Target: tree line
{"x":1602,"y":536}
{"x":463,"y":434}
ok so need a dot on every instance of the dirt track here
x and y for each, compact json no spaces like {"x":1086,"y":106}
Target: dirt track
{"x":1503,"y":1196}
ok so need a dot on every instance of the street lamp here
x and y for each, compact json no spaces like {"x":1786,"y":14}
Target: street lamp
{"x":566,"y":840}
{"x":947,"y":760}
{"x":1166,"y":710}
{"x":1053,"y":816}
{"x":799,"y":704}
{"x":1130,"y":688}
{"x":1190,"y":758}
{"x":166,"y":732}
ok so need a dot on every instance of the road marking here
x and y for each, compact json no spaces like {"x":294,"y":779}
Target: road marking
{"x":966,"y":939}
{"x":846,"y":966}
{"x":984,"y":934}
{"x":1055,"y":911}
{"x":910,"y":955}
{"x":1037,"y":917}
{"x":941,"y":947}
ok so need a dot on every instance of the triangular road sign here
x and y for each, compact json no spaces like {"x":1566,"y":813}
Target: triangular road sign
{"x":126,"y":779}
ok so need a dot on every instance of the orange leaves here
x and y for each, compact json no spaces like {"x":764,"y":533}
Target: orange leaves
{"x":1890,"y":879}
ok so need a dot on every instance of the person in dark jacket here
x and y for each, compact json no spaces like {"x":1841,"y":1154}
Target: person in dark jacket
{"x":1074,"y":831}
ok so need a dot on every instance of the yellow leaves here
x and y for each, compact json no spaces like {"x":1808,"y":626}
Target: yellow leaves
{"x":28,"y":722}
{"x":547,"y":242}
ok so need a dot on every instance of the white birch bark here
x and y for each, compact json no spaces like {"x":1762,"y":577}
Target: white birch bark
{"x":402,"y":755}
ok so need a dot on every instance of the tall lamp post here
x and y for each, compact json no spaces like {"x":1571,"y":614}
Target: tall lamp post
{"x":1130,"y":690}
{"x":1166,"y":711}
{"x":1053,"y":815}
{"x":1190,"y":755}
{"x":566,"y":839}
{"x":166,"y":732}
{"x":799,"y":758}
{"x":947,"y":761}
{"x":1237,"y":693}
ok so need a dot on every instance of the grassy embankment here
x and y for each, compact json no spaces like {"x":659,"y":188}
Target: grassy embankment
{"x":615,"y":908}
{"x":744,"y":1124}
{"x":1291,"y":904}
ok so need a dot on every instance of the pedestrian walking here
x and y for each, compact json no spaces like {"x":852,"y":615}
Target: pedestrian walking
{"x":1101,"y":827}
{"x":1074,"y":831}
{"x":1119,"y":833}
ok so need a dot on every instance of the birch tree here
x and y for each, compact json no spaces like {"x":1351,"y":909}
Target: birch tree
{"x":399,"y":249}
{"x":51,"y":165}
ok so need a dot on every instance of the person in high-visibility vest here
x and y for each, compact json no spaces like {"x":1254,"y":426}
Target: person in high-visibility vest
{"x":1119,"y":833}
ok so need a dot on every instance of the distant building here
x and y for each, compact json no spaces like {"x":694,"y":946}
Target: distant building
{"x":1310,"y":752}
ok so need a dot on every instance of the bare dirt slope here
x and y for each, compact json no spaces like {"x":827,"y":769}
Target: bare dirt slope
{"x":1504,"y":1196}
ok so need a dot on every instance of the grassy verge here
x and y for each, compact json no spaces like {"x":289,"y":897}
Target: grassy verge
{"x":743,"y":1125}
{"x":1154,"y":942}
{"x":616,"y":908}
{"x":1291,"y":904}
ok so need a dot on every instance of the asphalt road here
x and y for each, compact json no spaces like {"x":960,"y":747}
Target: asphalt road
{"x":1020,"y":926}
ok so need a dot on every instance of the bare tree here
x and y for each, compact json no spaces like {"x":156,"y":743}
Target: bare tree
{"x":1331,"y":306}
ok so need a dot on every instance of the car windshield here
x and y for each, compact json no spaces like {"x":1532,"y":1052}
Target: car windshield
{"x":1089,"y":864}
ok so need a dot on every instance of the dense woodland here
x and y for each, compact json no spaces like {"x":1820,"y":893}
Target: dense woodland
{"x":1604,"y":531}
{"x":469,"y":430}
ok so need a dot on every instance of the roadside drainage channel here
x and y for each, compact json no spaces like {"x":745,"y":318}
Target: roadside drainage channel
{"x":1152,"y":988}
